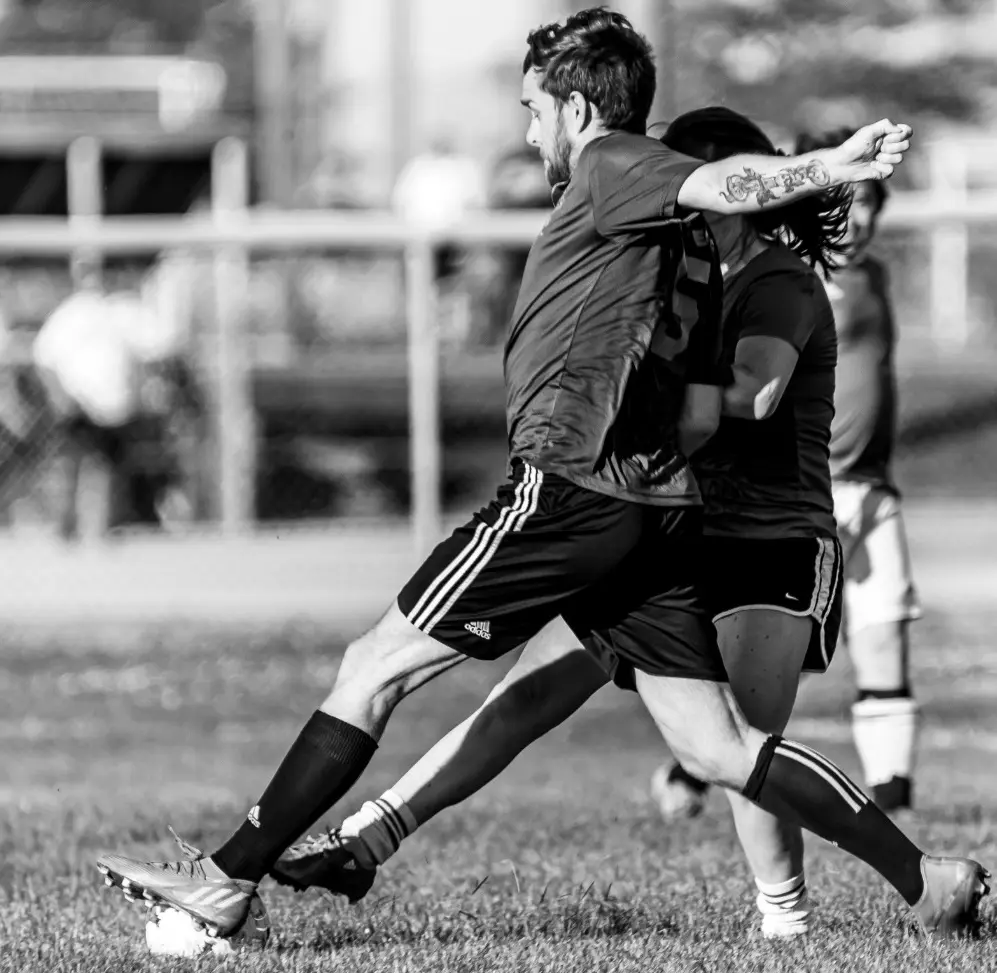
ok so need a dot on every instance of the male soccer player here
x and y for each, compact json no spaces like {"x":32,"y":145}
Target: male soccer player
{"x":598,"y":359}
{"x":880,"y":599}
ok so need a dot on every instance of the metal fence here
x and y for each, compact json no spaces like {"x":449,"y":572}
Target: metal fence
{"x":404,"y":320}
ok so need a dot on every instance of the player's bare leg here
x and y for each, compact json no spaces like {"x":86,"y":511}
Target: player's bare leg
{"x":706,"y":730}
{"x":378,"y":670}
{"x":763,"y":652}
{"x":552,"y":679}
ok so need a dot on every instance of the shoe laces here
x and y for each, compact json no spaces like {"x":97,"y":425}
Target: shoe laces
{"x":187,"y":867}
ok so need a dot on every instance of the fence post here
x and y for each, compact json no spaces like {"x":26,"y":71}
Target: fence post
{"x":235,"y":426}
{"x":85,"y":201}
{"x":423,"y":394}
{"x":949,"y":273}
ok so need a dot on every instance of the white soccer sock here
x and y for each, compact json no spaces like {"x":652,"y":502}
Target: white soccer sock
{"x":885,"y":732}
{"x":785,"y":906}
{"x":377,"y":830}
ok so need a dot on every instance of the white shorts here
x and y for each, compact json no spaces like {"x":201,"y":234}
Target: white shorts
{"x":879,"y":584}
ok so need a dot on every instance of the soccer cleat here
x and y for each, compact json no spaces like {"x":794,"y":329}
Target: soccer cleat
{"x":677,"y":793}
{"x":324,"y":862}
{"x":221,"y":905}
{"x":953,"y":888}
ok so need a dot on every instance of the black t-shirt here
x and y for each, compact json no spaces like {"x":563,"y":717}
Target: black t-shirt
{"x":864,"y":428}
{"x":770,"y":478}
{"x":602,"y":340}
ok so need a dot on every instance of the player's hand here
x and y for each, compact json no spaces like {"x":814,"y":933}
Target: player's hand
{"x":873,"y":152}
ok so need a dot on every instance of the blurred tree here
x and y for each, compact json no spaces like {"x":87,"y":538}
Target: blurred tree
{"x":796,"y":63}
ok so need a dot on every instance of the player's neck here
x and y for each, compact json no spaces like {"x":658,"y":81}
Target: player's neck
{"x":594,"y":130}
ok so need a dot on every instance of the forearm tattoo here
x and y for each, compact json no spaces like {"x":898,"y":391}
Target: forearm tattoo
{"x":740,"y":187}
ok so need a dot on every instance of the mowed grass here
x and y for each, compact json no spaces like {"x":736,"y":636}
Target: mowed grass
{"x":563,"y":864}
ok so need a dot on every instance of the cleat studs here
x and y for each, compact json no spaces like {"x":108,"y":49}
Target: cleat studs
{"x":109,"y":882}
{"x":103,"y":869}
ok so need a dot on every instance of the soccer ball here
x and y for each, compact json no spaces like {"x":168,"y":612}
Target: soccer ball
{"x":172,"y":933}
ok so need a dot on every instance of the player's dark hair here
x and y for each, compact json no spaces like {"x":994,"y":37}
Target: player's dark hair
{"x":808,"y":142}
{"x":813,"y":227}
{"x":599,"y":54}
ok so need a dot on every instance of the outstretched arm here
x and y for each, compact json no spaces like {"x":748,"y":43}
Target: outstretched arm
{"x":749,"y":183}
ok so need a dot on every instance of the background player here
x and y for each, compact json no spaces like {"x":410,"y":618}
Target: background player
{"x":879,"y":595}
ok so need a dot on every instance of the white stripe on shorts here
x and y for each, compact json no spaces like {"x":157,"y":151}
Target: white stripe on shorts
{"x":451,"y":583}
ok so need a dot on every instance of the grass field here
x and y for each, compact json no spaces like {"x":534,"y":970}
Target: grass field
{"x":560,"y":865}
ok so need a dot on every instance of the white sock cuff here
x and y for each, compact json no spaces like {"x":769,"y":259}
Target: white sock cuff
{"x":398,"y":805}
{"x":786,"y":891}
{"x":872,"y":708}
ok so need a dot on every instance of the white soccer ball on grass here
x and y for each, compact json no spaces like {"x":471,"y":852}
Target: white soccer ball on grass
{"x":171,"y":932}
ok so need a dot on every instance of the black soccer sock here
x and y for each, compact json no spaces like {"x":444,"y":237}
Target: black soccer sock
{"x":322,"y":765}
{"x":800,"y":785}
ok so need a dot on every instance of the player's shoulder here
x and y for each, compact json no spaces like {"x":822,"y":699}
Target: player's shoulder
{"x":622,"y":150}
{"x":778,"y":266}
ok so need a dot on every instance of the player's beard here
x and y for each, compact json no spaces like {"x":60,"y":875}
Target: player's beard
{"x":557,"y":163}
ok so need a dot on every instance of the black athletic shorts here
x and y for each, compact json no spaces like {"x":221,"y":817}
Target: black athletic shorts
{"x":619,"y":572}
{"x":799,"y":576}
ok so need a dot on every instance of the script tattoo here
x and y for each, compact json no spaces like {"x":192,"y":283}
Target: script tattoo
{"x":740,"y":187}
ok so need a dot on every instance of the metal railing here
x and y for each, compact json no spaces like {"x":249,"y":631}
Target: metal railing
{"x":232,"y":233}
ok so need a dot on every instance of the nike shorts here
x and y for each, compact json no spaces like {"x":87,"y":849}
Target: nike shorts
{"x":879,"y":581}
{"x":620,"y":573}
{"x":799,"y":576}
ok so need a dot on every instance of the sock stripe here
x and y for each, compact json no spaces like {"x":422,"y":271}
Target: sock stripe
{"x":837,"y":781}
{"x":396,"y":819}
{"x":784,"y":898}
{"x":392,"y":822}
{"x":832,"y":769}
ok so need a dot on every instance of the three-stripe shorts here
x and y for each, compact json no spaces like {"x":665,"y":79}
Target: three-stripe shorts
{"x":620,"y":573}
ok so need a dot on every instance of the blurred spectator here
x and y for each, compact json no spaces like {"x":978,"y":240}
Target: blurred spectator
{"x":493,"y":275}
{"x":110,"y":369}
{"x":439,"y":188}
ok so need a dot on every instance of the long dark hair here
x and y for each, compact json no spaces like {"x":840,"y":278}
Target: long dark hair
{"x":813,"y":227}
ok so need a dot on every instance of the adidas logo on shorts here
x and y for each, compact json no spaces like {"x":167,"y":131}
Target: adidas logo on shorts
{"x":481,"y":629}
{"x":254,"y":816}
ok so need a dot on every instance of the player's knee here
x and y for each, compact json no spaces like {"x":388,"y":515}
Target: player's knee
{"x":724,"y":763}
{"x":369,"y":672}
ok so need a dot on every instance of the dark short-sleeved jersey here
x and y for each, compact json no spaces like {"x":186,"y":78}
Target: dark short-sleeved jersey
{"x":770,"y":478}
{"x":605,"y":336}
{"x":865,"y":400}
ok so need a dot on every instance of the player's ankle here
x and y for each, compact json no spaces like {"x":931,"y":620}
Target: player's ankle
{"x":376,"y":831}
{"x":213,"y":870}
{"x":785,"y":902}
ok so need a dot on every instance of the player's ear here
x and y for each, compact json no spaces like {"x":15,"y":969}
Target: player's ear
{"x":580,"y":112}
